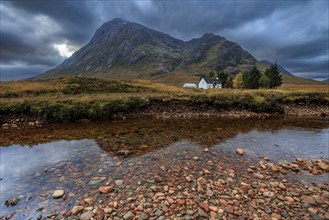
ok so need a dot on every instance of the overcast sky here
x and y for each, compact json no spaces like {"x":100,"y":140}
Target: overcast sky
{"x":39,"y":35}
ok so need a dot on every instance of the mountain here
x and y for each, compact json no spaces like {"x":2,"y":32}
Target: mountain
{"x":326,"y":80}
{"x":125,"y":50}
{"x":281,"y":68}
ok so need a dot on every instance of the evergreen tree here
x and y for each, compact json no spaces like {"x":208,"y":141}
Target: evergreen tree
{"x":251,"y":78}
{"x":222,"y":76}
{"x":274,"y":75}
{"x":211,"y":74}
{"x":264,"y":81}
{"x":238,"y":81}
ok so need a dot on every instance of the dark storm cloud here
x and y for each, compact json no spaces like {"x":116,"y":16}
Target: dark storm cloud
{"x":293,"y":32}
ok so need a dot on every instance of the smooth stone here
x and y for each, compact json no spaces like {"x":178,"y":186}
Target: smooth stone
{"x":119,"y":182}
{"x":58,"y":194}
{"x":77,"y":209}
{"x":105,"y":189}
{"x":129,"y":215}
{"x":143,"y":216}
{"x":12,"y":202}
{"x":87,"y":215}
{"x":239,"y":151}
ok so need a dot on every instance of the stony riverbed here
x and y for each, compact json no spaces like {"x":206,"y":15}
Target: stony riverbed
{"x":152,"y":171}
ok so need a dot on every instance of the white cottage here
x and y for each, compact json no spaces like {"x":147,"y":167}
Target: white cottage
{"x":209,"y":83}
{"x":189,"y":85}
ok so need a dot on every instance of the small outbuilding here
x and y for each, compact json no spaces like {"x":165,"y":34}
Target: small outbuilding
{"x":189,"y":85}
{"x":210,"y":83}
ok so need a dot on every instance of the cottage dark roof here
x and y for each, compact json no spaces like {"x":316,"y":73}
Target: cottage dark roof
{"x":211,"y":81}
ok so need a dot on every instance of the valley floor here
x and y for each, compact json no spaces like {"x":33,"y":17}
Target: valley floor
{"x":76,"y":99}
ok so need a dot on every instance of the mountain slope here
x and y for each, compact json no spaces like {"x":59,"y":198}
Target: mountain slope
{"x":125,"y":50}
{"x":281,"y":68}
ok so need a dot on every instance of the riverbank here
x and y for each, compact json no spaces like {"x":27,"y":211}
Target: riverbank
{"x":84,"y":99}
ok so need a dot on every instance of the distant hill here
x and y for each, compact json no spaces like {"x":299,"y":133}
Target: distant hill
{"x":281,"y":68}
{"x":326,"y":80}
{"x":121,"y":49}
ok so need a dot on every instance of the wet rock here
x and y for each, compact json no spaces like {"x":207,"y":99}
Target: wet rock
{"x":129,"y":215}
{"x":258,"y":175}
{"x":143,"y":216}
{"x":105,"y":189}
{"x":11,"y":202}
{"x":119,"y":182}
{"x":58,"y":194}
{"x":202,"y":213}
{"x":308,"y":200}
{"x":87,"y":215}
{"x":77,"y":210}
{"x":5,"y":126}
{"x":90,"y":201}
{"x":289,"y":199}
{"x":239,"y":151}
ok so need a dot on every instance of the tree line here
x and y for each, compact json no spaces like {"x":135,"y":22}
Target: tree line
{"x":252,"y":79}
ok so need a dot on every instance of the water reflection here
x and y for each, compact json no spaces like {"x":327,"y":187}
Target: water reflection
{"x":161,"y":152}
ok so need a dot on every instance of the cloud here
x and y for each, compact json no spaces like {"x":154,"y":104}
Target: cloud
{"x":293,"y":32}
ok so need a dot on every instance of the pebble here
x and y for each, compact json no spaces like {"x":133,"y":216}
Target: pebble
{"x":87,"y":215}
{"x":129,"y":215}
{"x":58,"y":194}
{"x":239,"y":151}
{"x":118,"y":182}
{"x":105,"y":189}
{"x":11,"y":202}
{"x":77,"y":210}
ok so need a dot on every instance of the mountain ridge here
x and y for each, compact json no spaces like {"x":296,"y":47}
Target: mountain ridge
{"x":120,"y":44}
{"x":122,"y":49}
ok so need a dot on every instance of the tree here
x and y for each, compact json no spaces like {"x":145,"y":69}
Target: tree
{"x":203,"y":75}
{"x":211,"y":74}
{"x":251,"y":78}
{"x":222,"y":76}
{"x":238,"y":81}
{"x":274,"y":75}
{"x":264,"y":81}
{"x":229,"y":82}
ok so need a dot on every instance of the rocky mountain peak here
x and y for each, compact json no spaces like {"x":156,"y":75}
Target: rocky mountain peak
{"x":120,"y":46}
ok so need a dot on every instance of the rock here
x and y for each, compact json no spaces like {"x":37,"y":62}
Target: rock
{"x":204,"y":206}
{"x":229,"y":209}
{"x":276,"y":216}
{"x":90,"y":201}
{"x":77,"y":210}
{"x":289,"y":199}
{"x":308,"y":200}
{"x":189,"y":212}
{"x":214,"y":208}
{"x":105,"y":189}
{"x":143,"y":216}
{"x":158,"y":212}
{"x":87,"y":215}
{"x":129,"y":215}
{"x":100,"y":214}
{"x":58,"y":194}
{"x":11,"y":202}
{"x":202,"y":213}
{"x":201,"y":181}
{"x":119,"y":182}
{"x":258,"y":175}
{"x":5,"y":126}
{"x":239,"y":151}
{"x":312,"y":210}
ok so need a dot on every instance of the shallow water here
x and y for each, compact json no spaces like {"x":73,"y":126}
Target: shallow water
{"x":159,"y":152}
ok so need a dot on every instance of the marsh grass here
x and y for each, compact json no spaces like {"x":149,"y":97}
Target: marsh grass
{"x":71,"y":99}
